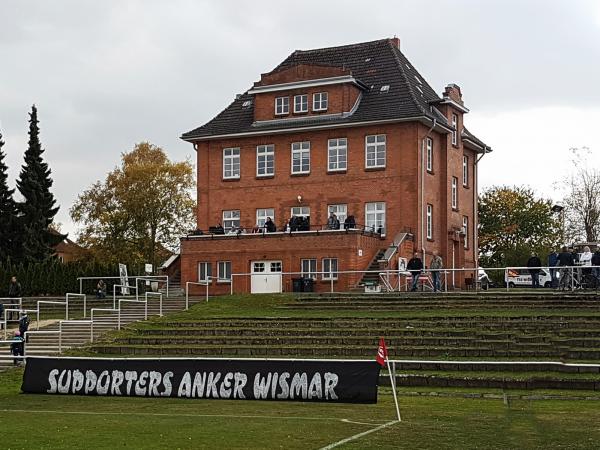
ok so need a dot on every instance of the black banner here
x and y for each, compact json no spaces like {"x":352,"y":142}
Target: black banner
{"x":291,"y":380}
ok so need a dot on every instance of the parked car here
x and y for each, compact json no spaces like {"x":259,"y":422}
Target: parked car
{"x":521,"y":277}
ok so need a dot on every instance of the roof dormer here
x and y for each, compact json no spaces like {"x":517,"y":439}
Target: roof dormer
{"x":305,"y":90}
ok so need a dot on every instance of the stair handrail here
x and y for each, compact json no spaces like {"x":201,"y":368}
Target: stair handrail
{"x":393,"y":248}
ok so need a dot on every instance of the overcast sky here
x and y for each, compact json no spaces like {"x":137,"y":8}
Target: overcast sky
{"x":107,"y":74}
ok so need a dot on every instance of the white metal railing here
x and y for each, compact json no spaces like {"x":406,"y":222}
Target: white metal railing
{"x":154,"y":278}
{"x":151,"y":277}
{"x":19,"y":312}
{"x":197,"y":283}
{"x":11,"y":305}
{"x":92,"y":317}
{"x":71,"y":322}
{"x":126,"y":286}
{"x":37,"y":333}
{"x":51,"y":302}
{"x":121,"y":301}
{"x":160,"y":299}
{"x":398,"y":280}
{"x":70,"y":295}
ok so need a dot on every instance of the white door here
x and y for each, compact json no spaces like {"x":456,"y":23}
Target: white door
{"x":266,"y":277}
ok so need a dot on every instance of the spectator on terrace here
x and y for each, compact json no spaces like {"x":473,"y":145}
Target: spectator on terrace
{"x":586,"y":260}
{"x":596,"y":264}
{"x":534,"y":264}
{"x":415,"y":266}
{"x":23,"y":324}
{"x":553,"y":262}
{"x":436,"y":265}
{"x":349,"y":223}
{"x":101,"y":289}
{"x":14,"y":292}
{"x":333,"y":223}
{"x":565,"y":261}
{"x":270,"y":226}
{"x":17,"y":347}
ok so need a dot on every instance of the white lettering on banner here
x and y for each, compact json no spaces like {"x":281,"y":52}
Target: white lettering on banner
{"x":272,"y":385}
{"x":102,"y":387}
{"x":117,"y":380}
{"x":299,"y":386}
{"x":239,"y":383}
{"x":261,"y":386}
{"x":225,"y":390}
{"x":331,"y":381}
{"x":90,"y":381}
{"x":283,"y":384}
{"x":77,"y":381}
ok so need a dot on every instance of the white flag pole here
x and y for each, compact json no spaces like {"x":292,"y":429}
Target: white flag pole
{"x":393,"y":382}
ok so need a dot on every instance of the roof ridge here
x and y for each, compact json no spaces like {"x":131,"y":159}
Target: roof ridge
{"x":341,"y":46}
{"x":393,"y":49}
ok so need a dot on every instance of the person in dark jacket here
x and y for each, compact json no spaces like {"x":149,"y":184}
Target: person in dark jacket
{"x":17,"y":347}
{"x":14,"y":292}
{"x":596,"y":262}
{"x":23,"y":324}
{"x":534,"y":264}
{"x":565,"y":261}
{"x":553,"y":262}
{"x":270,"y":226}
{"x":415,"y":266}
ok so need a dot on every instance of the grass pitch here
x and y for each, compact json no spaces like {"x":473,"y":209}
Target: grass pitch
{"x":44,"y":421}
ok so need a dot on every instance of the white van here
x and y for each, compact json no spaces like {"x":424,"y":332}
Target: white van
{"x":521,"y":277}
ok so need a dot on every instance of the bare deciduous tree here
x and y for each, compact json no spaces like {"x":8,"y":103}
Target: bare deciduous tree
{"x":582,"y":199}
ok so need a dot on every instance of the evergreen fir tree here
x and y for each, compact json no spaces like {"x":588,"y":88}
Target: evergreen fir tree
{"x":38,"y":208}
{"x":8,"y":212}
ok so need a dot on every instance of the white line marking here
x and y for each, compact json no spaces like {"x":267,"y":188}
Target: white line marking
{"x":360,"y":423}
{"x":235,"y":416}
{"x":359,"y":435}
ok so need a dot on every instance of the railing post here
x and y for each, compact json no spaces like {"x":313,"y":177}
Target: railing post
{"x":160,"y":305}
{"x":81,"y":285}
{"x":187,"y":294}
{"x":67,"y":307}
{"x":91,"y":326}
{"x":167,"y":286}
{"x":231,"y":285}
{"x":506,"y":277}
{"x":331,"y":281}
{"x":60,"y":337}
{"x":119,"y":317}
{"x":146,"y":310}
{"x":572,"y":277}
{"x":114,"y":296}
{"x":207,"y":282}
{"x":84,"y":306}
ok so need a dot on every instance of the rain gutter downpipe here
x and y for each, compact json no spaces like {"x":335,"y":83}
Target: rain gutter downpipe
{"x":423,"y":187}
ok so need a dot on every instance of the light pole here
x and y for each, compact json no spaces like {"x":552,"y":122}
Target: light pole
{"x":560,"y":210}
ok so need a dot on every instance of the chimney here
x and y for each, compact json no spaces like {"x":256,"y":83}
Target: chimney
{"x":453,"y":92}
{"x":395,"y":42}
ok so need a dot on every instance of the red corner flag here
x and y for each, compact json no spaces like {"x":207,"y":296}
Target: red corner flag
{"x":382,"y":354}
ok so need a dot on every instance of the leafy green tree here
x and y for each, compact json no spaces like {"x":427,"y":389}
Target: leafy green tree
{"x":141,"y":209}
{"x":38,"y":208}
{"x":512,"y":224}
{"x":8,"y":211}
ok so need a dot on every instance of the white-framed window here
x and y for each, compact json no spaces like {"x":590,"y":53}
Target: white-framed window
{"x":330,"y":269}
{"x":282,"y":105}
{"x":308,"y":267}
{"x":301,"y":211}
{"x":465,"y":230}
{"x":341,"y":212}
{"x":301,"y":103}
{"x":429,"y":223}
{"x":265,"y":160}
{"x":204,"y":272}
{"x":262,"y":214}
{"x":454,"y":129}
{"x":301,"y":157}
{"x":320,"y":101}
{"x":429,"y":153}
{"x":375,"y":217}
{"x":465,"y":171}
{"x":224,"y":271}
{"x":231,"y":163}
{"x":231,"y":219}
{"x":454,"y":193}
{"x":375,"y":151}
{"x":337,"y":153}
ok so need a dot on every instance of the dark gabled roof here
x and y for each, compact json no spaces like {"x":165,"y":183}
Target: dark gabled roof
{"x":375,"y":64}
{"x":468,"y":136}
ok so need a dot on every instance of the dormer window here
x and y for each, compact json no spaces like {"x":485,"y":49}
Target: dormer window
{"x":320,"y":101}
{"x":282,"y":105}
{"x":301,"y":103}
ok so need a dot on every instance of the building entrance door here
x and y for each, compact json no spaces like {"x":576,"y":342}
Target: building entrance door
{"x":266,"y":277}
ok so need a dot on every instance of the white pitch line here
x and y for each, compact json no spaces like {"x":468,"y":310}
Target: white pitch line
{"x":359,"y":435}
{"x":235,"y":416}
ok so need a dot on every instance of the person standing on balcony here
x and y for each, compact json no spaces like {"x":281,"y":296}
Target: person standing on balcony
{"x":437,"y":264}
{"x":415,"y":266}
{"x":534,"y":264}
{"x":333,"y":223}
{"x":270,"y":226}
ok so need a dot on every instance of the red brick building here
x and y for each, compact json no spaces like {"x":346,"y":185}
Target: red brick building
{"x":354,"y":130}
